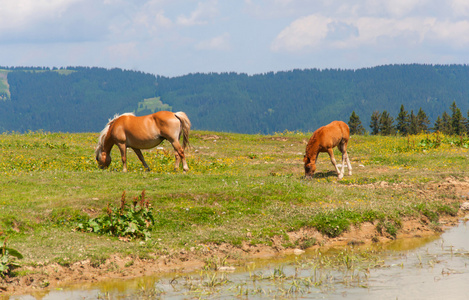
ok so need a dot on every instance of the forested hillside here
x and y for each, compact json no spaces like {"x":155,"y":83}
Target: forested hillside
{"x":306,"y":99}
{"x":72,"y":99}
{"x":82,"y":99}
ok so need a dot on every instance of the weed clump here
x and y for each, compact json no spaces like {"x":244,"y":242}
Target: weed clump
{"x":336,"y":222}
{"x":8,"y":258}
{"x":129,"y":221}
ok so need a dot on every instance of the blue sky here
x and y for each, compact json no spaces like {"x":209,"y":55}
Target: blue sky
{"x":176,"y":37}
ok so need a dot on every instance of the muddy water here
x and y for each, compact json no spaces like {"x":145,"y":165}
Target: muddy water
{"x":438,"y":269}
{"x":419,"y":268}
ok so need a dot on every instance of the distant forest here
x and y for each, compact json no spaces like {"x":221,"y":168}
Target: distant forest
{"x":71,"y":99}
{"x":82,"y":99}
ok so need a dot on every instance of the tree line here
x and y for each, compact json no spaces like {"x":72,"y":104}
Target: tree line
{"x":307,"y":99}
{"x":382,"y":123}
{"x":73,"y":99}
{"x":82,"y":99}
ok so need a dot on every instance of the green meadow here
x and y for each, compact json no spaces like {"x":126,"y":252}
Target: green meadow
{"x":237,"y":184}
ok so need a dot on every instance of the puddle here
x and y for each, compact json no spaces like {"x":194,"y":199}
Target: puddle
{"x":419,"y":268}
{"x":436,"y":270}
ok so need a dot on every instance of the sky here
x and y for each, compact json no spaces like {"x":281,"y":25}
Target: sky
{"x":177,"y":37}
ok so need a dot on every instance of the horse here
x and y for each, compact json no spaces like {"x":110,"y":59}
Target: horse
{"x":143,"y":132}
{"x":324,"y":139}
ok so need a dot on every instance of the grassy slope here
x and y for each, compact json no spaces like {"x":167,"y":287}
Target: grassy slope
{"x":4,"y":87}
{"x":237,"y":184}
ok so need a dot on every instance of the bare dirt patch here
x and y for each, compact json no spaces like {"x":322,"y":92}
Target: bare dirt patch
{"x":206,"y":137}
{"x":453,"y":186}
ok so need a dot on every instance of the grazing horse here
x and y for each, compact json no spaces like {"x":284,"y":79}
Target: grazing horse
{"x":324,"y":139}
{"x":144,"y":132}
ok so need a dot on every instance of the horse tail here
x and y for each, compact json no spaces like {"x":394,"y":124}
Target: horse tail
{"x":186,"y":128}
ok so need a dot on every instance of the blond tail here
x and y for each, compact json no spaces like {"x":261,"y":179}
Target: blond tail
{"x":186,"y":128}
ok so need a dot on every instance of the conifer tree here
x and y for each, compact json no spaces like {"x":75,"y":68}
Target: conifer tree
{"x":467,"y":123}
{"x":374,"y":124}
{"x":458,"y":126}
{"x":438,"y":126}
{"x":446,"y":123}
{"x":413,"y":125}
{"x":422,"y":121}
{"x":403,"y":121}
{"x":355,"y":124}
{"x":386,"y":126}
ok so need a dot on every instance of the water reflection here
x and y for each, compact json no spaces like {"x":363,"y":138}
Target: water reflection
{"x":437,"y":270}
{"x":421,"y":268}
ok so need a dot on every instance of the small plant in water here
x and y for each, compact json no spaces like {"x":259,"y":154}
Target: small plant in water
{"x":132,"y":221}
{"x":7,"y":259}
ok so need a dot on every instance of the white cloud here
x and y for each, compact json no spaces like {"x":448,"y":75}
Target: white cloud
{"x":399,"y":8}
{"x":373,"y":30}
{"x":221,"y":42}
{"x":421,"y":31}
{"x":247,"y":36}
{"x":21,"y":13}
{"x":162,"y":20}
{"x":201,"y":15}
{"x":316,"y":32}
{"x":152,"y":14}
{"x":455,"y":34}
{"x":306,"y":32}
{"x":460,"y":7}
{"x":145,"y":22}
{"x":374,"y":8}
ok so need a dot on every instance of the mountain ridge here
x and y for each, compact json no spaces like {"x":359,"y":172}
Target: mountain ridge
{"x":295,"y":100}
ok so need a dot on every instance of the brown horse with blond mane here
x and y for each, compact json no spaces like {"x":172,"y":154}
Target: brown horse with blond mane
{"x":144,"y":132}
{"x":324,"y":139}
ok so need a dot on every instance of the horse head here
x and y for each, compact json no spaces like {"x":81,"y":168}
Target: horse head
{"x":103,"y":159}
{"x":310,"y":167}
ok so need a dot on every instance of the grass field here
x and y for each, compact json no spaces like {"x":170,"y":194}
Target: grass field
{"x":237,"y":184}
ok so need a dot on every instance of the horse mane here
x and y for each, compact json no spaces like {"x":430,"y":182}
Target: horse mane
{"x":103,"y":133}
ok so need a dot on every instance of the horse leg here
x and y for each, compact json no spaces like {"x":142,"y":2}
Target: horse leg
{"x":349,"y":165}
{"x":345,"y":159}
{"x":142,"y":159}
{"x":344,"y":155}
{"x":123,"y":150}
{"x":179,"y":155}
{"x":334,"y":163}
{"x":177,"y":160}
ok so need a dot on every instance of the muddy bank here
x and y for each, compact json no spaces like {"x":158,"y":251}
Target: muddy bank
{"x":43,"y":277}
{"x":50,"y":276}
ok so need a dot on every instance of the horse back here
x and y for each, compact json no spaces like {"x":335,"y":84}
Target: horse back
{"x":344,"y":129}
{"x":134,"y":131}
{"x":330,"y":135}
